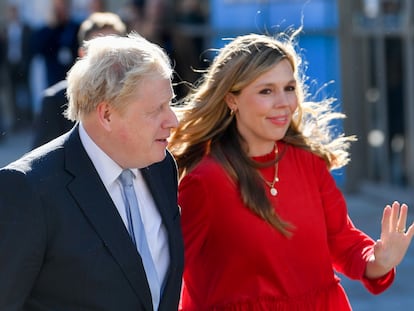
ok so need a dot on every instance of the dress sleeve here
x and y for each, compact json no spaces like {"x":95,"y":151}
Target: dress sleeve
{"x":350,"y":247}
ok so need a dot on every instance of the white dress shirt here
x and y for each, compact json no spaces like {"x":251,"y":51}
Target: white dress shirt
{"x":109,"y":172}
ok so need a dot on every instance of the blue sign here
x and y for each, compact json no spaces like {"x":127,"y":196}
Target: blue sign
{"x":257,"y":15}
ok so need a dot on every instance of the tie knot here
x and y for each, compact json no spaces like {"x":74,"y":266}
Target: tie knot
{"x":126,"y":178}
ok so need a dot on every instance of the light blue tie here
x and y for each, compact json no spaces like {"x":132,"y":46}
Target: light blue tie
{"x":137,"y":232}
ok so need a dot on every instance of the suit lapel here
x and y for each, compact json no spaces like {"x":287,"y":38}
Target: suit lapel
{"x":159,"y":193}
{"x":96,"y":204}
{"x":155,"y":178}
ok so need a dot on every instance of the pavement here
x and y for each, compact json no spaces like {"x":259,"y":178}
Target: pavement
{"x":365,"y":208}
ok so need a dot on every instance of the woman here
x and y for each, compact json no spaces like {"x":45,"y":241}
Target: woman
{"x":265,"y":227}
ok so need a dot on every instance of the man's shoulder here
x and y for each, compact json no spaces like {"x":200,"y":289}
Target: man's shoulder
{"x":44,"y":158}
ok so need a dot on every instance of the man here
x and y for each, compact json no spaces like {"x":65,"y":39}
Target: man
{"x":50,"y":123}
{"x":66,"y":234}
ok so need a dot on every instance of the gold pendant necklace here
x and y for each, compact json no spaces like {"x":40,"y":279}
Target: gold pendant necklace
{"x":273,"y":190}
{"x":271,"y":185}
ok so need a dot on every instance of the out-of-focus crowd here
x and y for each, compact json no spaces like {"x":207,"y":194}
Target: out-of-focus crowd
{"x":34,"y":58}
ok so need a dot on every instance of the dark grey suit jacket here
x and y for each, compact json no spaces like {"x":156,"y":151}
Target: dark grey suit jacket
{"x":63,"y":245}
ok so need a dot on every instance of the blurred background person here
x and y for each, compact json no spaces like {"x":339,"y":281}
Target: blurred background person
{"x":148,"y":18}
{"x":57,"y":41}
{"x":51,"y":122}
{"x":16,"y":36}
{"x":97,"y":6}
{"x":81,"y":9}
{"x":2,"y":79}
{"x":188,"y":42}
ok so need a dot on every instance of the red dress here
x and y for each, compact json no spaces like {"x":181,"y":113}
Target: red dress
{"x":235,"y":261}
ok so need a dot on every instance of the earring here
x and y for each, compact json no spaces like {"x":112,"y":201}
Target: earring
{"x":231,"y":112}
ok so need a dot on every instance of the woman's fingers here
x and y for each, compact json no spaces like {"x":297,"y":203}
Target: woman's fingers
{"x":402,"y":219}
{"x":394,"y":218}
{"x":386,"y":221}
{"x":395,"y":209}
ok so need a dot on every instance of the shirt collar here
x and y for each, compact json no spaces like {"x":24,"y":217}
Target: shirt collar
{"x":107,"y":168}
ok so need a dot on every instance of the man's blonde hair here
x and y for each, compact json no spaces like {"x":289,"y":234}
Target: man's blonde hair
{"x":110,"y":72}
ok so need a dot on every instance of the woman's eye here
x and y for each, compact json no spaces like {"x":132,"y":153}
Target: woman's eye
{"x":290,"y":88}
{"x":266,"y":91}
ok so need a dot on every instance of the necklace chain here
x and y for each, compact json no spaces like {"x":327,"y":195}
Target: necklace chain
{"x":271,"y":185}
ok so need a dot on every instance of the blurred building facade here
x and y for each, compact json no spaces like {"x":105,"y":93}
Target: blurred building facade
{"x":377,"y":70}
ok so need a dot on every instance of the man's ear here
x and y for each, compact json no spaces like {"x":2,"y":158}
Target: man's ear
{"x":105,"y":112}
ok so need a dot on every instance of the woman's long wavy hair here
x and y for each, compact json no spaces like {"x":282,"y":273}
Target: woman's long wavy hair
{"x":208,"y":127}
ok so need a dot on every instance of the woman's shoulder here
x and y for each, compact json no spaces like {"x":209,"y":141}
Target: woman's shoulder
{"x":304,"y":157}
{"x":207,"y":172}
{"x":208,"y":166}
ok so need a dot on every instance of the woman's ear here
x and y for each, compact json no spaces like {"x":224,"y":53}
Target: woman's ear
{"x":230,"y":100}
